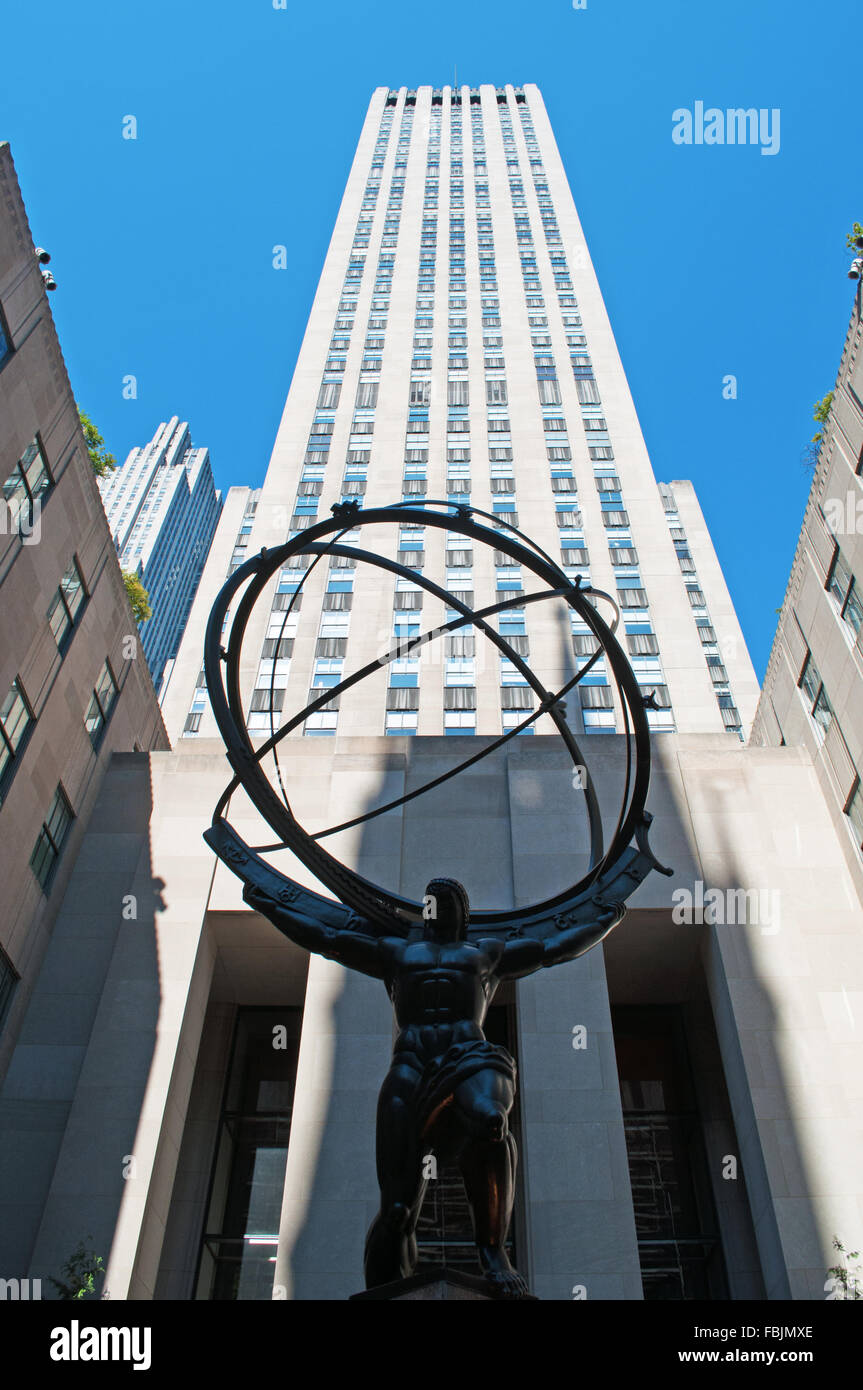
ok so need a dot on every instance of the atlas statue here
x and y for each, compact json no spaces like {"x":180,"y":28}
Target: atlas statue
{"x":449,"y":1091}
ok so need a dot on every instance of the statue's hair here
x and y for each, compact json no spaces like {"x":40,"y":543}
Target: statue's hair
{"x":441,"y":886}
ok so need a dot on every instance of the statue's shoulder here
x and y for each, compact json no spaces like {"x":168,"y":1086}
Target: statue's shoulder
{"x":489,"y":945}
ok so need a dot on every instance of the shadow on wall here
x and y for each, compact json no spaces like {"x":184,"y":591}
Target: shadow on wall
{"x":72,"y":1099}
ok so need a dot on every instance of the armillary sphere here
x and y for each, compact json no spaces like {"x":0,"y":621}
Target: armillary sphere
{"x":613,"y":873}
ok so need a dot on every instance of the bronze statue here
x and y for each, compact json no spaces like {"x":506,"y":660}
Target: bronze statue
{"x":448,"y":1091}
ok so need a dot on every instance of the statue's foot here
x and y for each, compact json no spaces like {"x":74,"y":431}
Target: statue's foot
{"x":505,"y":1281}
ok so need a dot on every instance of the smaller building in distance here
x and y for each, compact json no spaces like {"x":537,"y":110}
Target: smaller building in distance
{"x":163,"y":509}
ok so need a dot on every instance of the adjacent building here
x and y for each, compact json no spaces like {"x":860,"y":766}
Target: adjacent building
{"x":813,"y":688}
{"x":688,"y":1114}
{"x":74,"y":686}
{"x":163,"y":509}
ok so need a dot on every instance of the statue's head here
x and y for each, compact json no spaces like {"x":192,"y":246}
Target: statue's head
{"x":447,"y":910}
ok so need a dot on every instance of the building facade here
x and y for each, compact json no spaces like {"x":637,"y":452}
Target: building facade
{"x":447,"y":355}
{"x":163,"y":509}
{"x":688,"y":1113}
{"x":813,"y":688}
{"x":73,"y":684}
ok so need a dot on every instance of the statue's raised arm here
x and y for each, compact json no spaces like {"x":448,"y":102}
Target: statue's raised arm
{"x":330,"y":929}
{"x":524,"y":955}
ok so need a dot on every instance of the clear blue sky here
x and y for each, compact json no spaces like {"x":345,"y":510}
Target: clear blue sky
{"x":712,"y":260}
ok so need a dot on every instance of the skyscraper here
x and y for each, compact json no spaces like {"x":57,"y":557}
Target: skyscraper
{"x":163,"y":509}
{"x":458,"y":348}
{"x":680,"y":1135}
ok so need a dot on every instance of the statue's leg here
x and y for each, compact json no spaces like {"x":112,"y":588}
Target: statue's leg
{"x":488,"y":1164}
{"x":391,"y":1251}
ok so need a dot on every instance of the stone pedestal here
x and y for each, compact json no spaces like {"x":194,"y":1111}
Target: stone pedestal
{"x":437,"y":1284}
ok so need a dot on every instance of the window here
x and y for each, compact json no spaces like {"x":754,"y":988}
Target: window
{"x":854,"y":812}
{"x":457,"y":393}
{"x":101,"y":704}
{"x":239,"y":1241}
{"x":810,"y":680}
{"x":328,"y":396}
{"x":5,"y":353}
{"x":321,"y":724}
{"x":367,"y":395}
{"x":516,"y":697}
{"x":642,"y":643}
{"x":549,"y":391}
{"x":853,"y":610}
{"x":631,"y":598}
{"x":267,"y":700}
{"x":330,"y":706}
{"x":660,"y":694}
{"x":66,"y":605}
{"x":330,"y":647}
{"x":459,"y":722}
{"x":401,"y":722}
{"x":337,"y":603}
{"x":54,"y":830}
{"x":420,"y":393}
{"x":596,"y":697}
{"x":459,"y":697}
{"x":584,"y":644}
{"x":822,"y":711}
{"x":843,"y":587}
{"x":495,"y":392}
{"x":26,"y":484}
{"x":8,"y":981}
{"x":16,"y":724}
{"x":403,"y":698}
{"x":675,"y":1218}
{"x":459,"y":646}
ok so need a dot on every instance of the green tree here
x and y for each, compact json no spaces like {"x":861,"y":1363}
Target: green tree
{"x":820,"y":411}
{"x":854,"y":239}
{"x":81,"y":1271}
{"x":845,"y":1281}
{"x":102,"y":461}
{"x":138,"y":596}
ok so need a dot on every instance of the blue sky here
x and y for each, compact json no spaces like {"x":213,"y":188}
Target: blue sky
{"x":713,"y":260}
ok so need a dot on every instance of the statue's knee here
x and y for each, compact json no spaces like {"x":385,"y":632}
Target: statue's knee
{"x":493,"y":1122}
{"x":397,"y":1216}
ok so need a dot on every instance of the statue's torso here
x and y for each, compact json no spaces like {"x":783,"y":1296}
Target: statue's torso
{"x":440,"y":993}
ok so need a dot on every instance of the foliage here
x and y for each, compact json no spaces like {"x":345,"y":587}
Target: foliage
{"x":851,"y":238}
{"x":103,"y":462}
{"x":81,"y":1271}
{"x":138,"y":596}
{"x":847,"y":1282}
{"x":820,"y":411}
